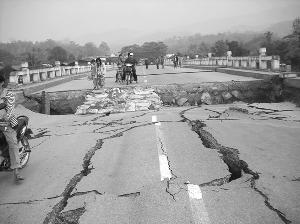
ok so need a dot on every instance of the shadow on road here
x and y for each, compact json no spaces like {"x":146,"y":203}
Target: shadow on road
{"x":174,"y":73}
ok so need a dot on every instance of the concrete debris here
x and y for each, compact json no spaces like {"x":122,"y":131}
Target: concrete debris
{"x":236,"y":94}
{"x":118,"y":100}
{"x":206,"y":98}
{"x":226,"y":95}
{"x":182,"y":101}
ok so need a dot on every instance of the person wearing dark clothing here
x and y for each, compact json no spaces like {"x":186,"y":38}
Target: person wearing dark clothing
{"x":157,"y":61}
{"x":133,"y":61}
{"x":162,"y":62}
{"x":175,"y":61}
{"x":146,"y":63}
{"x":120,"y":63}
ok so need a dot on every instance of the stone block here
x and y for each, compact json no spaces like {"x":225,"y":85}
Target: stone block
{"x":197,"y":99}
{"x":237,"y":94}
{"x":181,"y":101}
{"x":206,"y":98}
{"x":130,"y":106}
{"x":226,"y":96}
{"x":191,"y":99}
{"x":249,"y":94}
{"x":218,"y":99}
{"x":167,"y":99}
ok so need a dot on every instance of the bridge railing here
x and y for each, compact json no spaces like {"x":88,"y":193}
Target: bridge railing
{"x":26,"y":75}
{"x":254,"y":62}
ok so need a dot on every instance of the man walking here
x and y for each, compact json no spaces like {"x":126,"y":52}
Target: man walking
{"x":162,"y":62}
{"x":157,"y":61}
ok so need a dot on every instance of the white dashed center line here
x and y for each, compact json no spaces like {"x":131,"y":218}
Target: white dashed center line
{"x":199,"y":212}
{"x":165,"y":172}
{"x":200,"y":215}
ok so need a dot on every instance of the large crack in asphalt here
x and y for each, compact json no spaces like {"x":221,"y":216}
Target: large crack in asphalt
{"x":230,"y":156}
{"x":268,"y":204}
{"x":30,"y":201}
{"x":56,"y":216}
{"x":71,"y":216}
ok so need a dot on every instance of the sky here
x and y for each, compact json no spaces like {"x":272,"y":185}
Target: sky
{"x":125,"y":21}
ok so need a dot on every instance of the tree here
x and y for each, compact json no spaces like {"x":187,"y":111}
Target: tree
{"x":152,"y":50}
{"x":268,"y":43}
{"x":104,"y":49}
{"x":220,"y":48}
{"x":192,"y":50}
{"x":296,"y":29}
{"x":296,"y":26}
{"x":58,"y":54}
{"x":71,"y":57}
{"x":131,"y":48}
{"x":291,"y":48}
{"x":90,"y":49}
{"x":6,"y":57}
{"x":203,"y":49}
{"x":237,"y":49}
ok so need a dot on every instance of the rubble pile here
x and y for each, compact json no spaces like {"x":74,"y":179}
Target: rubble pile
{"x":118,"y":100}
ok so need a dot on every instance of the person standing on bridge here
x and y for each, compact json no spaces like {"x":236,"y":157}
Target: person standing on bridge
{"x":180,"y":60}
{"x":100,"y":71}
{"x":94,"y":73}
{"x":175,"y":61}
{"x":162,"y":61}
{"x":157,"y":61}
{"x":146,"y":62}
{"x":120,"y":64}
{"x":7,"y":107}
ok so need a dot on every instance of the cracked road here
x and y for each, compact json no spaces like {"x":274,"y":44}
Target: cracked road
{"x":234,"y":163}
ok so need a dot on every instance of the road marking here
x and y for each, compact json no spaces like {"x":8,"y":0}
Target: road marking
{"x":200,"y":215}
{"x":165,"y":172}
{"x":154,"y":118}
{"x":199,"y":212}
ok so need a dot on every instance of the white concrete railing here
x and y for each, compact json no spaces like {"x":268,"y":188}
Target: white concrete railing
{"x":256,"y":62}
{"x":26,"y":75}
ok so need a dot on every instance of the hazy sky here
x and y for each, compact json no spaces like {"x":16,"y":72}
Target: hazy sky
{"x":112,"y":20}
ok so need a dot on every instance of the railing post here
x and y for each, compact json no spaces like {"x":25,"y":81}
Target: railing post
{"x":45,"y":103}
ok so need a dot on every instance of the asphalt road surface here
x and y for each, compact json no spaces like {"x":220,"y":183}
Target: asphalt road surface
{"x":166,"y":166}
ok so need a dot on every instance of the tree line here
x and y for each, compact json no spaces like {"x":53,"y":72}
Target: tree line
{"x":149,"y":50}
{"x":49,"y":51}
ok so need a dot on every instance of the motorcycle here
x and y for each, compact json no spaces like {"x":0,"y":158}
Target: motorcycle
{"x":23,"y":133}
{"x":128,"y":73}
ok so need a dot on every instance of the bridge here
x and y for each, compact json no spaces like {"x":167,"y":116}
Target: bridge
{"x":184,"y":145}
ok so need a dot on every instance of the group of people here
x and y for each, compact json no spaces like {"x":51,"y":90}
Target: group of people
{"x":160,"y":61}
{"x":98,"y":72}
{"x":121,"y":64}
{"x":98,"y":69}
{"x":177,"y":61}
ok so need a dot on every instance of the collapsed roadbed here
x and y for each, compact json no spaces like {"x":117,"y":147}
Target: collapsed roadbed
{"x":68,"y":102}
